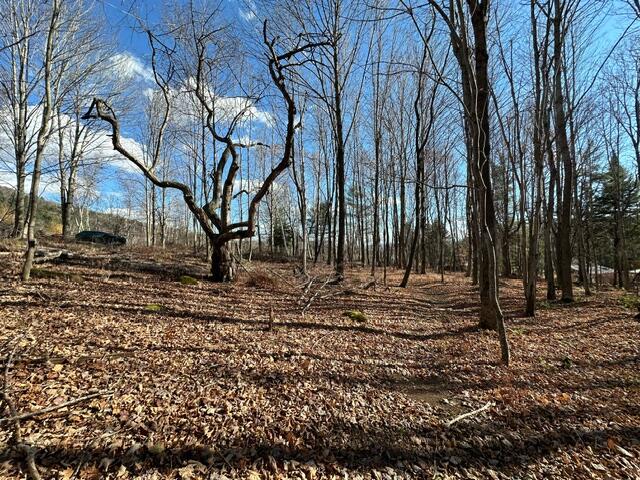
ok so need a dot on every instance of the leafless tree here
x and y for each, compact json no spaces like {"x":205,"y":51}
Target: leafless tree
{"x":334,"y":78}
{"x":44,"y":131}
{"x":214,"y":217}
{"x":23,"y":23}
{"x":473,"y":60}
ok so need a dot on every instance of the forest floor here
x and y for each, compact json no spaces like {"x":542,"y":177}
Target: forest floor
{"x":196,"y":384}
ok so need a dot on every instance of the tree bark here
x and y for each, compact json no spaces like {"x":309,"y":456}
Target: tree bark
{"x":477,"y":91}
{"x":223,"y":265}
{"x":565,"y":254}
{"x":19,"y":209}
{"x":43,"y":136}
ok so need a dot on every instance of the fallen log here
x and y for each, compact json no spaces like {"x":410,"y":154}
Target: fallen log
{"x":44,"y":256}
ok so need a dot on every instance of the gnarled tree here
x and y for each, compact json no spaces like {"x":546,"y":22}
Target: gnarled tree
{"x":214,"y":216}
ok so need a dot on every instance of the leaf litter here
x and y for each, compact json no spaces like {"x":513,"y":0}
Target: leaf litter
{"x":232,"y":381}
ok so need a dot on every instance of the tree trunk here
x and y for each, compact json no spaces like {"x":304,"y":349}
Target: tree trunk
{"x":531,"y":268}
{"x":66,"y":218}
{"x":401,"y":259}
{"x":67,"y":204}
{"x":19,"y":210}
{"x":565,"y":255}
{"x":340,"y":167}
{"x":539,"y":140}
{"x":376,"y":221}
{"x":477,"y":81}
{"x":416,"y":232}
{"x":507,"y":269}
{"x":223,"y":265}
{"x":43,"y":136}
{"x":548,"y":226}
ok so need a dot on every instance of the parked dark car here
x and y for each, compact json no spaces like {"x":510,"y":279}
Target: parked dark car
{"x":100,"y":237}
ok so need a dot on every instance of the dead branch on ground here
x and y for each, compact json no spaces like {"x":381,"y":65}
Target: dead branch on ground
{"x":24,"y":416}
{"x":470,"y":414}
{"x":328,"y":281}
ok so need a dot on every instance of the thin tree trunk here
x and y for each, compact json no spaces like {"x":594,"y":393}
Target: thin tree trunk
{"x":565,"y":255}
{"x":43,"y":135}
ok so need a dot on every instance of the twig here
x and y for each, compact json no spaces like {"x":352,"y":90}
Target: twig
{"x":313,"y":297}
{"x":22,"y":416}
{"x":306,"y":290}
{"x":241,"y":263}
{"x":271,"y":318}
{"x":346,"y":291}
{"x":43,"y":296}
{"x":370,"y":284}
{"x":315,"y":344}
{"x":82,"y":461}
{"x":62,"y":360}
{"x":332,"y":294}
{"x":469,"y":414}
{"x":280,"y":276}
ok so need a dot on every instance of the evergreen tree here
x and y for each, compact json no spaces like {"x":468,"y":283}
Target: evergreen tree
{"x":615,"y":213}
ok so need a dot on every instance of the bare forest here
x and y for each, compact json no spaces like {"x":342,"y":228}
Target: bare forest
{"x":319,"y":239}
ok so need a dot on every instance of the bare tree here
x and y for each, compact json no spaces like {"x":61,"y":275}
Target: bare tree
{"x":214,"y":217}
{"x":466,"y":24}
{"x":333,"y":80}
{"x":81,"y":79}
{"x":298,"y":174}
{"x":23,"y":23}
{"x":44,"y":132}
{"x":541,"y":69}
{"x":565,"y":193}
{"x":424,"y":112}
{"x":473,"y":62}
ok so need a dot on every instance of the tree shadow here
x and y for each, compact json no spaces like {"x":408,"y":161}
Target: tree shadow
{"x":169,"y":313}
{"x":480,"y":445}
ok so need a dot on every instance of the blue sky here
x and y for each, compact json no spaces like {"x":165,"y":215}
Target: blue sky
{"x":122,"y":19}
{"x":121,"y":15}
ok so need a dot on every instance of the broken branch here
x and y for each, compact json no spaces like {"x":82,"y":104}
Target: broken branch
{"x":470,"y":414}
{"x":53,"y":408}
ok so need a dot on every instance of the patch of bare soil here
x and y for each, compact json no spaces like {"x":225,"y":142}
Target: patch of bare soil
{"x":268,"y":378}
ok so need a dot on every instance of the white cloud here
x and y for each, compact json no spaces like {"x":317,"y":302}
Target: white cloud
{"x":248,"y":14}
{"x":99,"y":150}
{"x":117,"y":160}
{"x":251,"y":185}
{"x":229,"y":108}
{"x":226,"y":108}
{"x":49,"y":184}
{"x":149,"y":92}
{"x":131,"y":67}
{"x":7,"y":179}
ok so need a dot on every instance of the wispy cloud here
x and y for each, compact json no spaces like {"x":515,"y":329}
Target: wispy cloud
{"x":131,"y":67}
{"x":226,"y":108}
{"x":248,"y":13}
